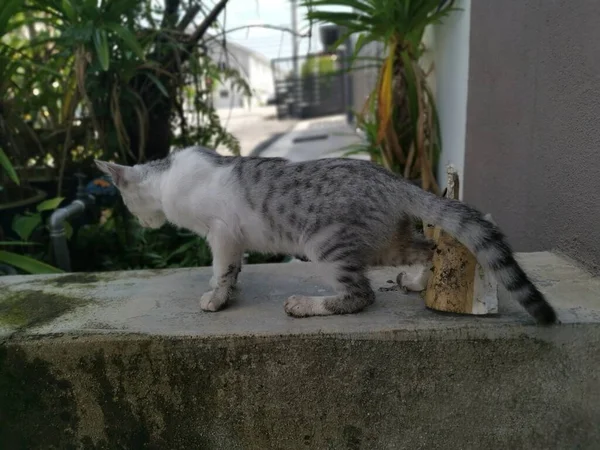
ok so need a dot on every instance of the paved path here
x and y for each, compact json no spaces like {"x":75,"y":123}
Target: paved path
{"x":253,"y":127}
{"x":323,"y":137}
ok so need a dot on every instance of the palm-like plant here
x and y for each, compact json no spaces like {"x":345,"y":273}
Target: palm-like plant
{"x":407,"y":121}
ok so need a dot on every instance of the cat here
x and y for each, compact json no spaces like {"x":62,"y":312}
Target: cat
{"x":350,"y":214}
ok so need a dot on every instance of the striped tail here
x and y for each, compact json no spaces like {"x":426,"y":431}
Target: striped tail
{"x":486,"y":242}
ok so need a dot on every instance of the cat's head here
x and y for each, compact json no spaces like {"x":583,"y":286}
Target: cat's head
{"x":139,"y":195}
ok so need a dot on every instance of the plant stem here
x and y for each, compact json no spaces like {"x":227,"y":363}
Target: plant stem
{"x":67,"y":143}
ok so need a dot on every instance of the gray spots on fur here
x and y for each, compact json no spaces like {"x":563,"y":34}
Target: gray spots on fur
{"x":353,"y":214}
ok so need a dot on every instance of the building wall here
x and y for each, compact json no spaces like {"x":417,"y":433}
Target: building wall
{"x":254,"y":68}
{"x":261,"y":76}
{"x":225,"y":96}
{"x":517,"y":85}
{"x":533,"y":123}
{"x":364,"y":77}
{"x":449,"y":42}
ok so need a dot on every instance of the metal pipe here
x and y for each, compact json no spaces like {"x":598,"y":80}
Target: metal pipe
{"x":297,"y":89}
{"x":57,"y":221}
{"x":59,"y":235}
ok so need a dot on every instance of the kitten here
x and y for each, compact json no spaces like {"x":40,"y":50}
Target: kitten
{"x":350,"y":214}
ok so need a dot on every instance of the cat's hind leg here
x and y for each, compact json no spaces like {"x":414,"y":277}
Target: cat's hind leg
{"x":418,"y":256}
{"x":354,"y":293}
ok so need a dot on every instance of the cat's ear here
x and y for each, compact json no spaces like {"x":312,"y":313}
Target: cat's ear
{"x":121,"y":175}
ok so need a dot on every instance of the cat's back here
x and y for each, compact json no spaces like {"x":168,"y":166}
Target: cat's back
{"x":197,"y":165}
{"x":198,"y":173}
{"x":339,"y":171}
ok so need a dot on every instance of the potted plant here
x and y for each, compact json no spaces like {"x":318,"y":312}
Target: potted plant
{"x":405,"y":112}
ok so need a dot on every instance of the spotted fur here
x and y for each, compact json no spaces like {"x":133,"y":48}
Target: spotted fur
{"x":344,"y":213}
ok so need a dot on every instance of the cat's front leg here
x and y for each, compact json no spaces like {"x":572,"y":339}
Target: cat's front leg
{"x":214,"y":281}
{"x":227,"y":262}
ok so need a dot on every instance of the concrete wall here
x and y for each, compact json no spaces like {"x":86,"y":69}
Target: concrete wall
{"x":299,"y":393}
{"x":126,"y":360}
{"x":533,"y":123}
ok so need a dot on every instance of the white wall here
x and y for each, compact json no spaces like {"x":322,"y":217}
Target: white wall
{"x":450,"y":53}
{"x":254,"y":68}
{"x":237,"y":59}
{"x":261,"y":80}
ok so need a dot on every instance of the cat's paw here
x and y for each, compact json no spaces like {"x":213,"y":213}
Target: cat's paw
{"x":213,"y":282}
{"x":296,"y":306}
{"x":302,"y":306}
{"x":211,"y":301}
{"x":415,"y":281}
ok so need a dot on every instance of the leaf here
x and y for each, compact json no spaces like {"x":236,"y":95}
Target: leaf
{"x":68,"y":230}
{"x":50,"y":204}
{"x":8,"y":10}
{"x":8,"y":167}
{"x":69,"y":11}
{"x":70,"y":95}
{"x":363,"y":39}
{"x":182,"y":249}
{"x":102,"y":50}
{"x":355,"y":4}
{"x":385,"y":96}
{"x":128,"y":37}
{"x":19,"y":244}
{"x":26,"y":263}
{"x":161,"y":87}
{"x":25,"y":225}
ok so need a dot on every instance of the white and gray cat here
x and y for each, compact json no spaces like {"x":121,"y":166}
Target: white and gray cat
{"x":346,"y":213}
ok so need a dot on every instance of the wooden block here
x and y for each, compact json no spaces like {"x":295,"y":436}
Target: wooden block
{"x":458,"y":283}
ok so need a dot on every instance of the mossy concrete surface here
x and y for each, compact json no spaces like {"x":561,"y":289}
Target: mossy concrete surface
{"x":131,"y":363}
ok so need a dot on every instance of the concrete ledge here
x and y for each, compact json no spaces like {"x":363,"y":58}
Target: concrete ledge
{"x":126,"y":360}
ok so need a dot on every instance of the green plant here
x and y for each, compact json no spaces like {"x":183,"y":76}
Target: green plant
{"x":407,"y":121}
{"x":25,"y":263}
{"x":24,"y":229}
{"x":15,"y":131}
{"x":87,"y":79}
{"x":366,"y":121}
{"x":25,"y":226}
{"x":321,"y":64}
{"x":8,"y":168}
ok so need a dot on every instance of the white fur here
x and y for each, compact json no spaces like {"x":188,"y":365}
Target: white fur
{"x":199,"y":196}
{"x":211,"y":203}
{"x":415,"y":278}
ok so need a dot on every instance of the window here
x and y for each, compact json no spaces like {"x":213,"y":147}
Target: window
{"x":224,"y":93}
